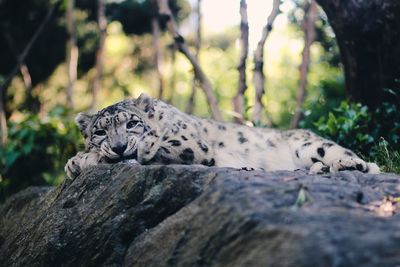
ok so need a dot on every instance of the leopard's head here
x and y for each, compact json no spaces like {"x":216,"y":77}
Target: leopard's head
{"x":115,"y":130}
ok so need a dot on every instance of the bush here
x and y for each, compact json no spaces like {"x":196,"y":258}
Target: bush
{"x":36,"y":151}
{"x":373,"y":134}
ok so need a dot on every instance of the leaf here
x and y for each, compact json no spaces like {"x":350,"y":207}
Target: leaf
{"x":11,"y":158}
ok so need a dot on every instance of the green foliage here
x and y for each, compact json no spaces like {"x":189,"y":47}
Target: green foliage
{"x":348,"y":126}
{"x":387,"y":157}
{"x":374,"y":134}
{"x":331,"y":94}
{"x":36,"y":151}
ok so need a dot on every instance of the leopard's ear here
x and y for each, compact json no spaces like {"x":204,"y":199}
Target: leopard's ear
{"x":83,"y":121}
{"x":145,"y":103}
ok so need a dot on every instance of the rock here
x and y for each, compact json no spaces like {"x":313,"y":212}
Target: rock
{"x":176,"y":215}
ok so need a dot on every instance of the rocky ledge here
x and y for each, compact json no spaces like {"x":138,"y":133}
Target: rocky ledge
{"x":130,"y":215}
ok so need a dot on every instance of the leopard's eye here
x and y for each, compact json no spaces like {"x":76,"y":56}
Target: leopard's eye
{"x":100,"y":132}
{"x":131,"y":124}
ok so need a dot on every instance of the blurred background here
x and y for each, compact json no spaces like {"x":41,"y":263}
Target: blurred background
{"x":261,"y":63}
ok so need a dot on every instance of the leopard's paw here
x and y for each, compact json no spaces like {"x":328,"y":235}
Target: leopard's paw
{"x":79,"y":162}
{"x":72,"y":168}
{"x":318,"y":168}
{"x":352,"y":164}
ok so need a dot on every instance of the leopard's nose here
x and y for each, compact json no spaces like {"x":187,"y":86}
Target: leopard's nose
{"x":119,"y":148}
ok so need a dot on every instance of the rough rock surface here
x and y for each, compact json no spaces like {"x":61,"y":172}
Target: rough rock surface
{"x":130,"y":215}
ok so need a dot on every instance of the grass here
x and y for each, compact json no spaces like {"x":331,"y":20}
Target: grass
{"x":386,"y":157}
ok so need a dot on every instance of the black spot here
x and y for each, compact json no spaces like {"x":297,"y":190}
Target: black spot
{"x":164,"y":138}
{"x":187,"y":155}
{"x":166,"y":150}
{"x":175,"y":142}
{"x":208,"y":163}
{"x":307,"y":144}
{"x":151,"y":115}
{"x":327,"y":145}
{"x":351,"y":168}
{"x":205,"y":130}
{"x":270,"y":143}
{"x":184,"y":126}
{"x":175,"y":129}
{"x":203,"y":147}
{"x":161,"y":116}
{"x":366,"y":170}
{"x":321,"y":152}
{"x":221,"y":127}
{"x":240,"y":133}
{"x":315,"y":160}
{"x":325,"y":169}
{"x":242,"y":140}
{"x":359,"y":167}
{"x":297,"y":153}
{"x":348,"y":153}
{"x":184,"y":137}
{"x":147,"y":108}
{"x":221,"y":144}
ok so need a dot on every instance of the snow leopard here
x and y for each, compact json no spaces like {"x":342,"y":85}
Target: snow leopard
{"x":150,"y":131}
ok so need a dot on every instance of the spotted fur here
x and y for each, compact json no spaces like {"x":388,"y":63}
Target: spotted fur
{"x":151,"y":131}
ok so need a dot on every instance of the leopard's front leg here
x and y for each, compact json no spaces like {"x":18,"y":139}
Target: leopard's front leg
{"x":79,"y":162}
{"x":324,"y":155}
{"x":148,"y":146}
{"x":320,"y":155}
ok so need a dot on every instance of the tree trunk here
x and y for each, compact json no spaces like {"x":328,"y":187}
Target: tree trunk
{"x":259,"y":78}
{"x":14,"y":71}
{"x":72,"y":52}
{"x":238,"y":100}
{"x":368,"y":35}
{"x":3,"y":122}
{"x":172,"y":80}
{"x":102,"y":24}
{"x":308,"y":26}
{"x":31,"y":103}
{"x":167,"y":17}
{"x":155,"y":27}
{"x":191,"y":103}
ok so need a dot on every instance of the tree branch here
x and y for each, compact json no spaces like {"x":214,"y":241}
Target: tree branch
{"x":21,"y":59}
{"x":309,"y":37}
{"x":191,"y":102}
{"x":155,"y":27}
{"x":166,"y":16}
{"x":259,"y":78}
{"x":102,"y":24}
{"x":238,"y":100}
{"x":72,"y":52}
